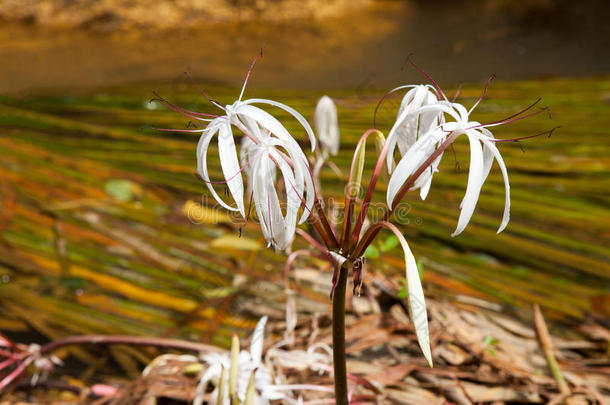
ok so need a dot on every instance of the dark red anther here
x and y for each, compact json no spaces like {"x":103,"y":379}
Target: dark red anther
{"x":358,"y":271}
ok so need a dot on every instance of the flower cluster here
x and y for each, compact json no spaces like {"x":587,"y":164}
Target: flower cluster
{"x":427,"y":123}
{"x":423,"y":124}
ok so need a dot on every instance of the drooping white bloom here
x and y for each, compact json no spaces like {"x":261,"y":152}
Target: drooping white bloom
{"x":271,"y":147}
{"x":483,"y":151}
{"x":411,"y":126}
{"x":248,"y":362}
{"x":327,"y":126}
{"x":279,"y":227}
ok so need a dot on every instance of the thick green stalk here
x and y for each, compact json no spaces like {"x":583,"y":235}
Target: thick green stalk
{"x":339,"y":361}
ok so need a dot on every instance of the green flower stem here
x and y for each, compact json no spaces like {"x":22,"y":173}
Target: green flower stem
{"x":339,"y":361}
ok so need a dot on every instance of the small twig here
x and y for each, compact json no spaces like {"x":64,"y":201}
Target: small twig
{"x":129,"y":340}
{"x":544,"y":339}
{"x":461,"y":387}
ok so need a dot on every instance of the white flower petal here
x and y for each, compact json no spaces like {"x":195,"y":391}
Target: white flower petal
{"x":294,"y":195}
{"x":252,"y":126}
{"x":302,"y":176}
{"x":277,"y":226}
{"x":462,"y":111}
{"x":417,"y":303}
{"x":266,"y":120}
{"x":419,"y":113}
{"x":291,"y":111}
{"x":506,"y":216}
{"x":230,"y":166}
{"x":202,"y":166}
{"x":260,"y":181}
{"x":442,"y":107}
{"x":473,"y":188}
{"x":327,"y":126}
{"x":256,"y":346}
{"x":414,"y":157}
{"x":425,"y":188}
{"x":488,"y":159}
{"x":310,"y":193}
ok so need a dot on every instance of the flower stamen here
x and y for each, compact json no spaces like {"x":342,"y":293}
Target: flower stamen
{"x":259,"y":54}
{"x":508,"y":121}
{"x":436,"y":86}
{"x":183,"y":111}
{"x":482,"y":95}
{"x":549,"y":132}
{"x":217,"y":104}
{"x":457,"y":93}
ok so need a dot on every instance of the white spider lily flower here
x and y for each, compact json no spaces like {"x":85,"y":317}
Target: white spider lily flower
{"x":327,"y":126}
{"x":248,"y":362}
{"x":271,"y":146}
{"x":411,"y":126}
{"x":250,"y":120}
{"x":483,"y":152}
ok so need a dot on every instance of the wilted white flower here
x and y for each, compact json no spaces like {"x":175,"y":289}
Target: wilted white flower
{"x":483,"y":151}
{"x":248,"y":362}
{"x":411,"y":125}
{"x":327,"y":126}
{"x":317,"y":358}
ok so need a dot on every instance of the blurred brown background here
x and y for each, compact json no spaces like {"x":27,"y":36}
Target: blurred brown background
{"x":58,"y":44}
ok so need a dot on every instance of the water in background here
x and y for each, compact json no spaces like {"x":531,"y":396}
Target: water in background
{"x":454,"y":41}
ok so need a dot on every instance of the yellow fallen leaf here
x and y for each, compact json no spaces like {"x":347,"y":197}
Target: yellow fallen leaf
{"x":235,"y":242}
{"x":137,"y":293}
{"x":200,"y":214}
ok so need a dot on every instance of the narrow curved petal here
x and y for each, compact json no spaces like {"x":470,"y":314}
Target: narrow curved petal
{"x":407,"y":115}
{"x":256,"y":345}
{"x":267,"y":121}
{"x":279,"y":238}
{"x":506,"y":216}
{"x":407,"y":165}
{"x":417,"y":302}
{"x":392,"y":141}
{"x":425,"y":188}
{"x":230,"y":166}
{"x":488,"y":159}
{"x":293,"y":195}
{"x":202,"y":165}
{"x":473,"y":188}
{"x":259,"y":183}
{"x":253,"y":127}
{"x":302,"y":176}
{"x":488,"y":156}
{"x":267,"y":205}
{"x":442,"y":107}
{"x":291,"y":111}
{"x":461,"y":110}
{"x":248,"y":153}
{"x":310,"y":194}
